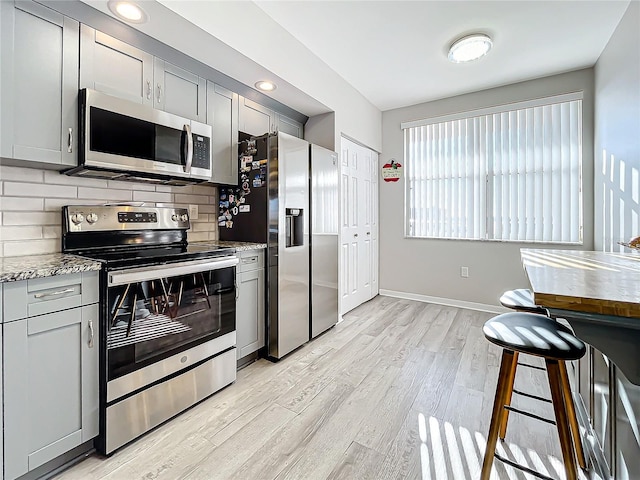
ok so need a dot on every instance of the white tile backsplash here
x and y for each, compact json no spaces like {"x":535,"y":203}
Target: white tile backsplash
{"x":105,"y":194}
{"x":18,"y":189}
{"x":31,"y":200}
{"x":31,"y":218}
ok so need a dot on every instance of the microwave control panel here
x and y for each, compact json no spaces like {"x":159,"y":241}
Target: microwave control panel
{"x":201,"y":151}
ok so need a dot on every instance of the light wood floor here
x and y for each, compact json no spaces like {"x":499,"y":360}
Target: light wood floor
{"x":398,"y":390}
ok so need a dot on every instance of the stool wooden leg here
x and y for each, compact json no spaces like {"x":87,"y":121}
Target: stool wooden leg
{"x":507,"y":400}
{"x":506,"y":365}
{"x":562,"y":422}
{"x":571,"y":412}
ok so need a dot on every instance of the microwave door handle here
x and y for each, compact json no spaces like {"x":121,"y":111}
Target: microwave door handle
{"x":189,"y":160}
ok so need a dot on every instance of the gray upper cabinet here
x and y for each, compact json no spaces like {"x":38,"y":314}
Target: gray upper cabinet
{"x":50,"y":370}
{"x":255,"y":119}
{"x":288,"y":125}
{"x":122,"y":70}
{"x":114,"y":67}
{"x":178,"y":91}
{"x":39,"y":84}
{"x":222,"y":115}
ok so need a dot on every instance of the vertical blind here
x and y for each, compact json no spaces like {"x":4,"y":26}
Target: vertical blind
{"x":507,"y":174}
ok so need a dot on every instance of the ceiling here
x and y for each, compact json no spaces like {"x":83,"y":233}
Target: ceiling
{"x":393,"y":52}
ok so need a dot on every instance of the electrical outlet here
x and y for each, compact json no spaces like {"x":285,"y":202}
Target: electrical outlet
{"x":193,"y":212}
{"x":464,"y":272}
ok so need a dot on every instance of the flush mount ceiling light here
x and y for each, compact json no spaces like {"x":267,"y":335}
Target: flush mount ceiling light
{"x":470,"y":48}
{"x":127,"y":11}
{"x":266,"y":86}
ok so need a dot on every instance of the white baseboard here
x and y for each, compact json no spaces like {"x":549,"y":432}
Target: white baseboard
{"x":450,"y":302}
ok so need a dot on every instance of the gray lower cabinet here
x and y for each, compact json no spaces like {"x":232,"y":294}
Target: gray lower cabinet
{"x":115,"y":67}
{"x":50,"y":369}
{"x":612,"y":403}
{"x":222,"y":115}
{"x":39,"y":56}
{"x":250,"y":305}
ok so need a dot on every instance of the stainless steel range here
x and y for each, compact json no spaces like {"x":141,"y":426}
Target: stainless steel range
{"x":167,"y":326}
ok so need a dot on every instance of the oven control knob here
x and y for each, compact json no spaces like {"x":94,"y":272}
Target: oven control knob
{"x":92,"y":218}
{"x":77,"y":218}
{"x":175,"y":217}
{"x":184,"y":217}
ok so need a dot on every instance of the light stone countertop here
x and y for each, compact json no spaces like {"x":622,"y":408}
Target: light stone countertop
{"x":13,"y":269}
{"x":239,"y":246}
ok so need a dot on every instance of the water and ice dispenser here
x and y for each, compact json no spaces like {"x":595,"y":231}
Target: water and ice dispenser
{"x":294,"y":221}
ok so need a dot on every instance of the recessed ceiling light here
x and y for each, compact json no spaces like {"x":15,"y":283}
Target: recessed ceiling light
{"x":470,"y":48}
{"x":128,"y":11}
{"x":265,"y":86}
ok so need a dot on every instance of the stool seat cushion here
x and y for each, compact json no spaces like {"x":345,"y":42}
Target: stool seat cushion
{"x":533,"y":334}
{"x":521,"y":299}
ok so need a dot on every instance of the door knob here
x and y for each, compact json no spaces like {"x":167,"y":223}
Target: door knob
{"x":355,"y":234}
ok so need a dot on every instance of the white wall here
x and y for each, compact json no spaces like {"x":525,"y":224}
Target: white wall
{"x":617,"y":135}
{"x":432,"y":267}
{"x":256,"y":35}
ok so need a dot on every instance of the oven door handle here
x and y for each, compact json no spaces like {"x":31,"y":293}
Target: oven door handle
{"x":142,"y":274}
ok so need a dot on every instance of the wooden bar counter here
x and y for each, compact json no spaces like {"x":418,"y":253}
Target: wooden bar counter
{"x":598,"y":293}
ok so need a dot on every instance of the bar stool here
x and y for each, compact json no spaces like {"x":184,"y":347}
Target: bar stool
{"x":522,"y":300}
{"x":538,"y":335}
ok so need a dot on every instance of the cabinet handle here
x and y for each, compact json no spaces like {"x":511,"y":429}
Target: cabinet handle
{"x":90,"y":333}
{"x":159,"y":92}
{"x":149,"y":89}
{"x":70,"y":144}
{"x":53,"y":294}
{"x":237,"y":290}
{"x":368,"y":233}
{"x":355,"y":234}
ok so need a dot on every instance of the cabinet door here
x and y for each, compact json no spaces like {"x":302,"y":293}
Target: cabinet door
{"x":287,"y":125}
{"x":39,"y":84}
{"x":627,"y":428}
{"x":48,"y":360}
{"x":178,"y":91}
{"x":250,"y":312}
{"x":222,"y":115}
{"x":114,"y":67}
{"x":255,"y":119}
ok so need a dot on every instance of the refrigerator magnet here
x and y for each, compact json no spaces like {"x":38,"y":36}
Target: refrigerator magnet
{"x":234,"y":211}
{"x":245,"y":208}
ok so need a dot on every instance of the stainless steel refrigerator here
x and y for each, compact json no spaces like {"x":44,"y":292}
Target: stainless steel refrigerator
{"x":271,"y":205}
{"x":324,"y":226}
{"x":288,"y":198}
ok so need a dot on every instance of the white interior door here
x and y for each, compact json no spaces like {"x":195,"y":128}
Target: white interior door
{"x":359,"y":225}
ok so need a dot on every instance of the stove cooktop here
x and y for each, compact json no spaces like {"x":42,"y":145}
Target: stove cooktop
{"x":132,"y":256}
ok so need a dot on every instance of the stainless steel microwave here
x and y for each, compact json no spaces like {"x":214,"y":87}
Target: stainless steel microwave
{"x":123,"y":140}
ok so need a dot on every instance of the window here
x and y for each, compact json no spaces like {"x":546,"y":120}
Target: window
{"x":511,"y":173}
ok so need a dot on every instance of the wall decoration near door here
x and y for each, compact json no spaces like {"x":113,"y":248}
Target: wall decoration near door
{"x":392,"y":171}
{"x":359,"y":225}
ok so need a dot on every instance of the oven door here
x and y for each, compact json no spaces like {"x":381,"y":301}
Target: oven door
{"x":157,"y":312}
